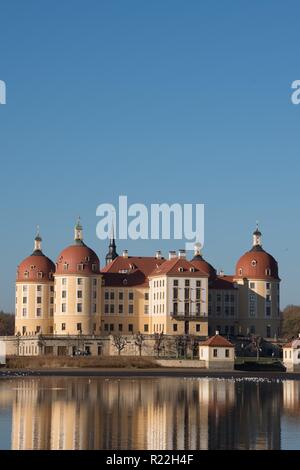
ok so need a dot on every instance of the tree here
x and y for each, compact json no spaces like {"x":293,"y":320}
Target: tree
{"x":18,"y":341}
{"x":180,"y":345}
{"x":158,"y":342}
{"x":119,"y":343}
{"x":7,"y":324}
{"x":255,"y":345}
{"x":139,"y":341}
{"x":290,"y":325}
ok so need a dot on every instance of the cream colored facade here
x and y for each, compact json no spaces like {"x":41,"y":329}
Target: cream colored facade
{"x":34,"y":307}
{"x":77,"y":305}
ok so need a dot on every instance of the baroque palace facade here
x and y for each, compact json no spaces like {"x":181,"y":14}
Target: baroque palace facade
{"x":76,"y":298}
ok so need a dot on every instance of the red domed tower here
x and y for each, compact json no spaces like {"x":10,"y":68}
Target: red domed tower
{"x":259,"y":287}
{"x":77,"y":289}
{"x":34,"y":293}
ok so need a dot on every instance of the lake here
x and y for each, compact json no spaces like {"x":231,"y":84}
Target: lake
{"x":149,"y":413}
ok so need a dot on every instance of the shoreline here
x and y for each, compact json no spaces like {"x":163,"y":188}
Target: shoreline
{"x":144,"y":373}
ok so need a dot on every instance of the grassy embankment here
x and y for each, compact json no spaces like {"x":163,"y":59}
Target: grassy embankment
{"x":56,"y":362}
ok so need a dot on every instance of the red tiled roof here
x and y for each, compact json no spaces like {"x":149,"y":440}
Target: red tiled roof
{"x":217,"y":341}
{"x":222,"y":283}
{"x":178,"y":267}
{"x":294,"y":343}
{"x":130,"y":271}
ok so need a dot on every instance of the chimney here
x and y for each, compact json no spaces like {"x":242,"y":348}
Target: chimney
{"x":172,"y":254}
{"x":125,"y":253}
{"x":158,"y":254}
{"x":221,"y":273}
{"x":181,"y":254}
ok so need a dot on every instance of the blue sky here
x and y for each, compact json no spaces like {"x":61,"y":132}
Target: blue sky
{"x":163,"y":101}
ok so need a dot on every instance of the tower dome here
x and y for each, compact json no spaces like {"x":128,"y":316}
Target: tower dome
{"x":257,"y":263}
{"x":201,"y":263}
{"x":78,"y":258}
{"x":37,"y":266}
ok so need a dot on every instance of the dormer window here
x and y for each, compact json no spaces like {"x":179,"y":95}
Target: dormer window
{"x":253,"y":263}
{"x":94,"y":267}
{"x":66,"y":266}
{"x":192,"y":270}
{"x":80,"y":267}
{"x":26,"y":274}
{"x":125,"y":282}
{"x":240,"y":272}
{"x":87,"y":258}
{"x":180,"y":269}
{"x":40,"y":275}
{"x":268,"y":272}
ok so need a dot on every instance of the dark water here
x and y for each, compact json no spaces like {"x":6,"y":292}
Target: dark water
{"x":148,"y":413}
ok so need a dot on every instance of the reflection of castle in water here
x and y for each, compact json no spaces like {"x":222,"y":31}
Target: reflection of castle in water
{"x":164,"y":413}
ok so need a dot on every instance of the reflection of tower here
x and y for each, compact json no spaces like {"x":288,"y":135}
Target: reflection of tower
{"x":291,"y":397}
{"x":31,"y":416}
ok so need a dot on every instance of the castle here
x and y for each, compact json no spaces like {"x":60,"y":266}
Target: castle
{"x":76,"y":298}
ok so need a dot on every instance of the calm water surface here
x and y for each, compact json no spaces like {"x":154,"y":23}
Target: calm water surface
{"x":149,"y":413}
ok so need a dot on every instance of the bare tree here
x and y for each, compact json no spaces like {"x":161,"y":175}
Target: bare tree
{"x":139,"y":341}
{"x":179,"y":345}
{"x":119,"y":343}
{"x":18,"y":341}
{"x":158,"y":342}
{"x":193,"y":346}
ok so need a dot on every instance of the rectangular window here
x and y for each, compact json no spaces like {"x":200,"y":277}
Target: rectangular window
{"x":79,"y":308}
{"x":175,"y":308}
{"x":38,"y":312}
{"x":198,"y":283}
{"x":186,"y":308}
{"x":111,"y":327}
{"x":79,"y":327}
{"x":226,"y":298}
{"x":63,"y":326}
{"x":175,"y":327}
{"x":198,"y":294}
{"x":39,"y":288}
{"x":130,"y":327}
{"x":106,"y":308}
{"x":94,"y":294}
{"x":106,"y":295}
{"x":187,"y":283}
{"x":79,"y":281}
{"x":252,"y":285}
{"x":226,"y":352}
{"x":219,"y":298}
{"x":268,"y":311}
{"x":146,"y":309}
{"x":39,"y":300}
{"x":112,"y":295}
{"x":94,"y":282}
{"x":197,"y":327}
{"x":63,"y":308}
{"x":146,"y":296}
{"x":94,"y":308}
{"x":175,"y":293}
{"x":215,"y":353}
{"x":120,"y":308}
{"x":268,"y":285}
{"x":130,"y":309}
{"x":64,"y":281}
{"x":24,"y":300}
{"x":105,"y":326}
{"x":24,"y":288}
{"x":120,"y":295}
{"x":64,"y":294}
{"x":120,"y":327}
{"x":130,"y":296}
{"x":79,"y":294}
{"x":186,"y":293}
{"x":51,"y":288}
{"x":38,"y":329}
{"x":23,"y":330}
{"x":146,"y":328}
{"x":175,"y":283}
{"x":112,"y":308}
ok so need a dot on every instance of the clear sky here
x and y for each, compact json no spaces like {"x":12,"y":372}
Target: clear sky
{"x":161,"y":100}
